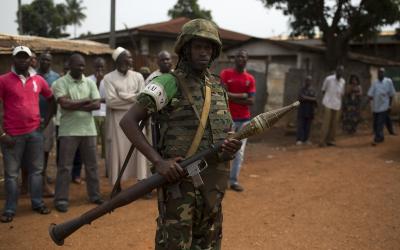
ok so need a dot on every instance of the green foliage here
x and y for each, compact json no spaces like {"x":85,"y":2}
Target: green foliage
{"x":43,"y":18}
{"x":189,"y":9}
{"x":75,"y":13}
{"x":340,"y":21}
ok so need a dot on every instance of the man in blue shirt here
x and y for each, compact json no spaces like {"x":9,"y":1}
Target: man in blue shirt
{"x":380,"y":93}
{"x":50,"y":76}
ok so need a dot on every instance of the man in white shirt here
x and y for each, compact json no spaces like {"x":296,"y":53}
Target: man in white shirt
{"x":122,"y":86}
{"x":380,"y":93}
{"x":100,"y":114}
{"x":164,"y":63}
{"x":332,"y":91}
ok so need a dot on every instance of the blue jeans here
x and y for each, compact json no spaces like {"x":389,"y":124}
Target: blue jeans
{"x":237,"y":162}
{"x":29,"y":149}
{"x":379,"y":123}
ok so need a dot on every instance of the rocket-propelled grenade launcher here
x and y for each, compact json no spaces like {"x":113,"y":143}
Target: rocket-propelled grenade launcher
{"x":256,"y":126}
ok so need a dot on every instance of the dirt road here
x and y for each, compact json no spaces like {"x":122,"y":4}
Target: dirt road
{"x":296,"y":197}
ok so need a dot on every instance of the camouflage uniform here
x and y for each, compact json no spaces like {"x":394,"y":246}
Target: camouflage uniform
{"x":190,"y":219}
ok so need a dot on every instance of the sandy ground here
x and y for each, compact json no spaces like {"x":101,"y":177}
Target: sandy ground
{"x":296,"y":197}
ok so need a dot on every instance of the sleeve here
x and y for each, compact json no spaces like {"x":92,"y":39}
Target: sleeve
{"x":1,"y":89}
{"x":94,"y":92}
{"x":343,"y":90}
{"x":252,"y":86}
{"x":392,"y":91}
{"x":112,"y":98}
{"x":161,"y":90}
{"x":45,"y":90}
{"x":371,"y":90}
{"x":132,"y":96}
{"x":58,"y":89}
{"x":324,"y":84}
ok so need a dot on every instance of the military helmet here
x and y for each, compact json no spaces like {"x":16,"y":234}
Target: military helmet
{"x":198,"y":28}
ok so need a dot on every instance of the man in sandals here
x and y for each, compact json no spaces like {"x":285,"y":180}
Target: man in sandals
{"x":20,"y":135}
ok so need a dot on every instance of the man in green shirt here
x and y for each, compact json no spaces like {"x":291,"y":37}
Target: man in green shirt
{"x":77,"y":97}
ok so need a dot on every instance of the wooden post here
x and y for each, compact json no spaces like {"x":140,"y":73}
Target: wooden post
{"x":20,"y":30}
{"x":112,"y":40}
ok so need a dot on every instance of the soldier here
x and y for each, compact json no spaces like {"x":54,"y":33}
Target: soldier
{"x":189,"y":217}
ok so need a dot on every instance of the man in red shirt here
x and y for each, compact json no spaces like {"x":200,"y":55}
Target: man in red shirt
{"x":20,"y":137}
{"x":241,"y":89}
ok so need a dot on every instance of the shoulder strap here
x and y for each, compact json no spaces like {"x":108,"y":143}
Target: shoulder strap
{"x":200,"y":129}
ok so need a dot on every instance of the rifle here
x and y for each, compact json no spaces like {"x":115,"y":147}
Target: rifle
{"x":256,"y":126}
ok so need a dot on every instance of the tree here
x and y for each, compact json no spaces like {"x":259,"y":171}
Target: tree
{"x":43,"y":18}
{"x":340,"y":21}
{"x":75,"y":13}
{"x":189,"y":9}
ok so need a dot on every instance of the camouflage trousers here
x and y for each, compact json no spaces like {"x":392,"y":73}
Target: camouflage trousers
{"x":188,"y":222}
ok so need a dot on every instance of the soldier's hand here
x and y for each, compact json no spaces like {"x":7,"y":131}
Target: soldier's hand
{"x":231,"y":146}
{"x":170,"y":169}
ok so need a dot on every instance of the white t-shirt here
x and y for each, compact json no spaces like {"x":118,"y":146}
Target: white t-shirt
{"x":334,"y":90}
{"x":102,"y":110}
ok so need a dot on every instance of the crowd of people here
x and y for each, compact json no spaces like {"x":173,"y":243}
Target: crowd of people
{"x":78,"y":112}
{"x":75,"y":111}
{"x":342,"y":101}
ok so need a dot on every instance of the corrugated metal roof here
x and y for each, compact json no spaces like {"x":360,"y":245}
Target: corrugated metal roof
{"x":174,"y":26}
{"x":371,"y":60}
{"x":40,"y":44}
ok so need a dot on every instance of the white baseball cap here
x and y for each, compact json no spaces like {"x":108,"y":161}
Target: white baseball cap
{"x":19,"y":49}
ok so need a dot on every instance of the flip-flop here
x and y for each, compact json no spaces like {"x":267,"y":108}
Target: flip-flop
{"x":42,"y":210}
{"x":78,"y":181}
{"x":7,"y":217}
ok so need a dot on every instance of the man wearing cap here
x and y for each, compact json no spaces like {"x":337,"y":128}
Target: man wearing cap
{"x":20,"y":135}
{"x":164,"y":63}
{"x":193,"y":114}
{"x":122,"y":86}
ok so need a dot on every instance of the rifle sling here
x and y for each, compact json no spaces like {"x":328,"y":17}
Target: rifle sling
{"x":200,"y":129}
{"x":117,"y":185}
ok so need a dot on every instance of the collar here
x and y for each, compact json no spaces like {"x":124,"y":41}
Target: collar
{"x":70,"y":78}
{"x":31,"y":71}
